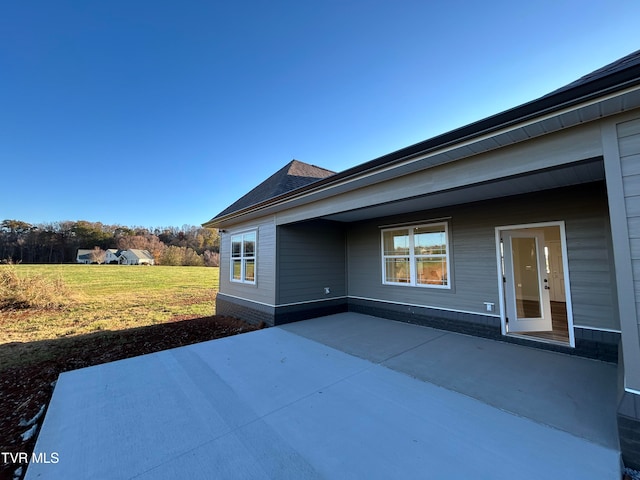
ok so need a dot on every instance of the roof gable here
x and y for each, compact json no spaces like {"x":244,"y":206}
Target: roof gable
{"x":293,"y":175}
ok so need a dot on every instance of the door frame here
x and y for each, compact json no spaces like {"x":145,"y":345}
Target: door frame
{"x":543,"y":322}
{"x":565,"y":264}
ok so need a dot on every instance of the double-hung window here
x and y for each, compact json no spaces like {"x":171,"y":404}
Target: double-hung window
{"x":243,"y":257}
{"x":416,"y":256}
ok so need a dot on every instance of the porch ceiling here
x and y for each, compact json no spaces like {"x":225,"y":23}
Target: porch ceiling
{"x":572,"y":174}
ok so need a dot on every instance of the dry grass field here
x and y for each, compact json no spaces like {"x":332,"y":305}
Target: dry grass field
{"x":55,"y":318}
{"x":55,"y":301}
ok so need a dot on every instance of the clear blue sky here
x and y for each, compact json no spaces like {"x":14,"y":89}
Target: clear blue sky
{"x":158,"y":113}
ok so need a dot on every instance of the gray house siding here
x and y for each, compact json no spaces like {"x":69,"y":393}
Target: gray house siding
{"x":562,"y":148}
{"x":629,"y":147}
{"x":310,"y":258}
{"x":264,"y":289}
{"x":620,"y":145}
{"x":346,"y":258}
{"x":249,"y":311}
{"x":621,"y":141}
{"x":473,"y":254}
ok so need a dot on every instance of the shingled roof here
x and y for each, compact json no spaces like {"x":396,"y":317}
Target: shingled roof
{"x":629,"y":61}
{"x":294,"y":174}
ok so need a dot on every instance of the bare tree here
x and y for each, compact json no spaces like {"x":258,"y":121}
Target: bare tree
{"x":148,"y":242}
{"x":97,"y":255}
{"x":211,"y":259}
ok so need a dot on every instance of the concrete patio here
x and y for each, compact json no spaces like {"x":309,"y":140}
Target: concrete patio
{"x":343,"y":396}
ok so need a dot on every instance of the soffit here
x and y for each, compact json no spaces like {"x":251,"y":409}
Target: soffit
{"x":572,"y":174}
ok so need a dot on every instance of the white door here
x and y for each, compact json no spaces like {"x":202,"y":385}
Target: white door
{"x":526,"y":285}
{"x":556,"y":271}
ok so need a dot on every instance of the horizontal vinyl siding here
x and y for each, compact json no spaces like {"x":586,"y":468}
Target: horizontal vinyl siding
{"x":629,"y":147}
{"x":591,"y":267}
{"x":264,"y":289}
{"x":555,"y":149}
{"x":473,"y":253}
{"x":311,"y":256}
{"x":472,"y":257}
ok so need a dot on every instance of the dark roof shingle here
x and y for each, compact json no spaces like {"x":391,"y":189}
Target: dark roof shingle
{"x":628,"y":61}
{"x":293,"y":175}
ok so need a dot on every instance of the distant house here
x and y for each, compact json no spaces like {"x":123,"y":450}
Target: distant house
{"x":132,"y":256}
{"x":135,"y":256}
{"x":84,"y":256}
{"x":112,"y":256}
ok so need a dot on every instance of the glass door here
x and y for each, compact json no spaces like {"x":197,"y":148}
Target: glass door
{"x":526,"y":286}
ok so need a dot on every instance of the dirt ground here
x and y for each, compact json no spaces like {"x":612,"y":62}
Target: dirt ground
{"x":24,"y":389}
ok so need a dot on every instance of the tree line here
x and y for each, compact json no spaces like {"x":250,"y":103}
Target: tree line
{"x":58,"y":242}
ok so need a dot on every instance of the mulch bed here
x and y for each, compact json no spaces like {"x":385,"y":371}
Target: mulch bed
{"x":25,"y":389}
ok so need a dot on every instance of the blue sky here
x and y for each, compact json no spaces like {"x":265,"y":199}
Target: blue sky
{"x":158,"y":113}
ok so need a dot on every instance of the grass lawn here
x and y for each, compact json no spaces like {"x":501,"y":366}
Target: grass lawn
{"x":113,"y":297}
{"x":114,"y":312}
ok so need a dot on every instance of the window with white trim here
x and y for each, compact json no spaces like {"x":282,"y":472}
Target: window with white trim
{"x":416,"y":256}
{"x":243,"y":257}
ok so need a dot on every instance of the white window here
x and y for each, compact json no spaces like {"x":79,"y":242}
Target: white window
{"x":243,"y":257}
{"x":416,"y":256}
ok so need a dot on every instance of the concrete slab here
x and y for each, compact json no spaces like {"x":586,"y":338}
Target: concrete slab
{"x":573,"y":394}
{"x":375,"y":339}
{"x":275,"y":404}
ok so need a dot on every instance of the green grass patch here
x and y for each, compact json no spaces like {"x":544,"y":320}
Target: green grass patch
{"x":94,"y":298}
